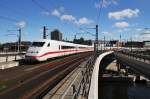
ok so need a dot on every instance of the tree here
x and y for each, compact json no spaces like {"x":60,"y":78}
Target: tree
{"x":79,"y":41}
{"x":1,"y":46}
{"x":82,"y":41}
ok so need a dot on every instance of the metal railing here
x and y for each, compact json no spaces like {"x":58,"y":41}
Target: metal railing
{"x":138,"y":56}
{"x":4,"y":57}
{"x":82,"y":89}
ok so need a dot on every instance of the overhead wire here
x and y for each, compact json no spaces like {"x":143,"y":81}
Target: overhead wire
{"x":19,"y":13}
{"x":100,"y":10}
{"x":43,"y":8}
{"x":13,"y":10}
{"x":40,"y":6}
{"x":14,"y":20}
{"x":8,"y":18}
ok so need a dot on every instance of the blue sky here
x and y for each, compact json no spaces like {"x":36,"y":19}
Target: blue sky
{"x":125,"y":17}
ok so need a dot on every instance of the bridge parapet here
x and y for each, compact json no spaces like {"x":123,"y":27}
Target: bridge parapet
{"x":81,"y":82}
{"x":93,"y":92}
{"x":135,"y":55}
{"x":85,"y":82}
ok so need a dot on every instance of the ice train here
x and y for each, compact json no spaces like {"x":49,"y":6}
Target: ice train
{"x":44,"y":49}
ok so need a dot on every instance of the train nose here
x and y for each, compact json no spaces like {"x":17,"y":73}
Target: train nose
{"x":32,"y":53}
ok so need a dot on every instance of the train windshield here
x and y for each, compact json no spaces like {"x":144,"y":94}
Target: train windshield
{"x":37,"y":44}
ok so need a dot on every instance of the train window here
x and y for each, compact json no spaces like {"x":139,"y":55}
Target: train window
{"x":38,"y":44}
{"x":67,"y":47}
{"x":48,"y":45}
{"x":82,"y":47}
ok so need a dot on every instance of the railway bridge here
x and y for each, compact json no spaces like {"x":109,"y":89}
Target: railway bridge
{"x":72,"y":77}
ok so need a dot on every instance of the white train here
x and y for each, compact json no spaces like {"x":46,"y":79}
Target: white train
{"x":42,"y":50}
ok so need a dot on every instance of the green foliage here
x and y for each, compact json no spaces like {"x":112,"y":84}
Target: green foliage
{"x":1,"y":46}
{"x":82,"y":41}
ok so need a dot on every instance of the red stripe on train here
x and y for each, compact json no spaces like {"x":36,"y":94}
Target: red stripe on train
{"x":55,"y":52}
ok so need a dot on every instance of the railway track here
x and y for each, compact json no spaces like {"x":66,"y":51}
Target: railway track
{"x":134,"y":64}
{"x":17,"y":72}
{"x":36,"y":81}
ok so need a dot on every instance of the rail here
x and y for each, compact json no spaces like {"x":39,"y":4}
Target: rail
{"x":37,"y":83}
{"x":137,"y":66}
{"x":82,"y":89}
{"x":136,"y":56}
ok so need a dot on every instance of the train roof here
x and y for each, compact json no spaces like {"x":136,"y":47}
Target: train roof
{"x":62,"y":42}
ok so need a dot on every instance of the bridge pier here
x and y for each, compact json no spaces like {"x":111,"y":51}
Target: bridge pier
{"x":137,"y":78}
{"x":118,"y":66}
{"x":74,"y":90}
{"x":127,"y":70}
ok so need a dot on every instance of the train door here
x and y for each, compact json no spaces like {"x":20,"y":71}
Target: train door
{"x":59,"y":48}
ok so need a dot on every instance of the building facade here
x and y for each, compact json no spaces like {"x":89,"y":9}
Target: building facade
{"x":56,"y":35}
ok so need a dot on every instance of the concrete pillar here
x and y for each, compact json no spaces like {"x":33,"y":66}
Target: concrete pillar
{"x":127,"y":70}
{"x":137,"y":77}
{"x":74,"y":88}
{"x":118,"y":66}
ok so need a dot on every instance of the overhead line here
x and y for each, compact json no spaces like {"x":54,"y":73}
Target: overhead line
{"x":15,"y":20}
{"x":100,"y":10}
{"x":8,"y":18}
{"x":39,"y":5}
{"x":13,"y":10}
{"x":12,"y":19}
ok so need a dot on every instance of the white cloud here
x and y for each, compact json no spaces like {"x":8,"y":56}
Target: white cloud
{"x":122,"y":24}
{"x":105,"y":3}
{"x":126,"y":13}
{"x":55,"y":12}
{"x":107,"y":33}
{"x":21,"y":24}
{"x":59,"y":12}
{"x":84,"y":20}
{"x":70,"y":18}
